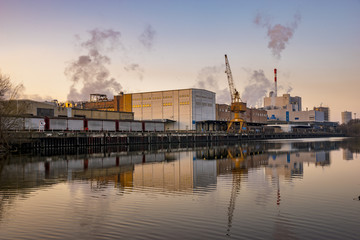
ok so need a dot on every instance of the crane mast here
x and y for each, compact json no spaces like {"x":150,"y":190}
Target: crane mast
{"x":237,"y":106}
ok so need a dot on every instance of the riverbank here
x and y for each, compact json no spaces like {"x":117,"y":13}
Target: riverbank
{"x":40,"y":140}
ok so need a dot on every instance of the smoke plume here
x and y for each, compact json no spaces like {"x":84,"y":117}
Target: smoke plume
{"x":89,"y":70}
{"x":209,"y":77}
{"x":135,"y":68}
{"x":147,"y":37}
{"x":279,"y":35}
{"x":257,"y":89}
{"x":36,"y":97}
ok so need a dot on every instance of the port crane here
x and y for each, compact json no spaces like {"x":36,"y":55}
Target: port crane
{"x":237,"y":105}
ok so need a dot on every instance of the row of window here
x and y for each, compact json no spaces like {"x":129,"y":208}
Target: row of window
{"x":139,"y":106}
{"x":164,"y":104}
{"x":184,"y":103}
{"x":156,"y":98}
{"x":199,"y":96}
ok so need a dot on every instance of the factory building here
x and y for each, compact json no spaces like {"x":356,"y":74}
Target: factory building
{"x":284,"y":102}
{"x":287,"y":108}
{"x":101,"y":102}
{"x":295,"y":116}
{"x":180,"y":108}
{"x":346,"y":117}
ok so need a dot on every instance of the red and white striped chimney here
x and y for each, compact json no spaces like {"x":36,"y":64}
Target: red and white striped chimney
{"x":275,"y":78}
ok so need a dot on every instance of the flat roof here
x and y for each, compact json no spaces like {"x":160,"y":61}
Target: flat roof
{"x":172,"y":90}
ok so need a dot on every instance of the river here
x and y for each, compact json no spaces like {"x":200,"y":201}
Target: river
{"x":279,"y":189}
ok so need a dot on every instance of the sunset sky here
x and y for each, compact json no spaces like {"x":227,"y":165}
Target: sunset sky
{"x":162,"y":45}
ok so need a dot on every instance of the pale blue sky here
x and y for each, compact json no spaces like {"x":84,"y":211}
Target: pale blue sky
{"x":320,"y":63}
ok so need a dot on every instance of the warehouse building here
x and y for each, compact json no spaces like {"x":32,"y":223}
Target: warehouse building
{"x":181,"y":109}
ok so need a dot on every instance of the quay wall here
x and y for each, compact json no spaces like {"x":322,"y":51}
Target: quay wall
{"x":38,"y":140}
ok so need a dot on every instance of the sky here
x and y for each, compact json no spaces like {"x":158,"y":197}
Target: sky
{"x":67,"y":49}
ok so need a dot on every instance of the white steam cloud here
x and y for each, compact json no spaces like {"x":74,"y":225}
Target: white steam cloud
{"x":147,"y":37}
{"x":36,"y":97}
{"x":135,"y":68}
{"x":90,"y":70}
{"x":209,"y":77}
{"x":279,"y":35}
{"x":257,"y":89}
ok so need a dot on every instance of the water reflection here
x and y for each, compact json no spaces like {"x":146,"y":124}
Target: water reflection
{"x":249,"y":172}
{"x":170,"y":169}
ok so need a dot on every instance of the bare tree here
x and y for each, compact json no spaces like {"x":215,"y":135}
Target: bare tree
{"x":10,"y":110}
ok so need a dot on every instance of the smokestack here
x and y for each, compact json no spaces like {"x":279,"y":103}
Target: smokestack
{"x":275,"y":78}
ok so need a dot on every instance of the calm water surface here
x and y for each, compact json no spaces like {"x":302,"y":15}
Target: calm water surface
{"x":301,"y":189}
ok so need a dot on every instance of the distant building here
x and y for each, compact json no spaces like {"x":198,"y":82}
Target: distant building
{"x":326,"y":112}
{"x":346,"y":117}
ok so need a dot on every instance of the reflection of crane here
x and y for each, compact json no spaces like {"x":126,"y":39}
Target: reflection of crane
{"x":237,"y":171}
{"x":237,"y":106}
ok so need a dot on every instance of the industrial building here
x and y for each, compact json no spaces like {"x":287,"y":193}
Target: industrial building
{"x":284,"y":102}
{"x":326,"y":112}
{"x":181,"y":109}
{"x":287,"y":108}
{"x":346,"y":117}
{"x":295,"y":116}
{"x":252,"y":115}
{"x":53,"y":109}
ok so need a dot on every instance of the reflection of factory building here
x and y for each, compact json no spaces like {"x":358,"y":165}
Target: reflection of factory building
{"x":347,"y":154}
{"x":170,"y":175}
{"x":291,"y":164}
{"x":174,"y":171}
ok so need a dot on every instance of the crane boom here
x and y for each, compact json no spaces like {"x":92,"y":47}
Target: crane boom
{"x":237,"y":106}
{"x":235,"y":96}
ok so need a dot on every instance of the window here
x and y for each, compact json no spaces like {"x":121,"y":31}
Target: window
{"x":45,"y":112}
